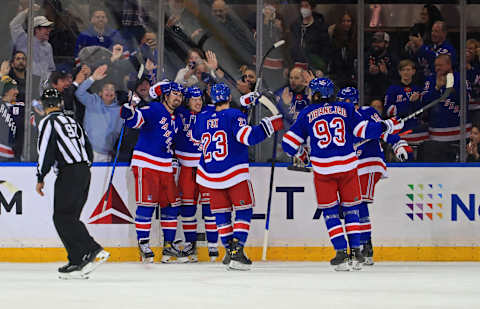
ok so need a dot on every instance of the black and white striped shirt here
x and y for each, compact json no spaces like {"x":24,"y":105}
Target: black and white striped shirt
{"x":62,"y":141}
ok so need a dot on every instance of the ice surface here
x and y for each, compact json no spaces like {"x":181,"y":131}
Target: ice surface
{"x":276,"y":285}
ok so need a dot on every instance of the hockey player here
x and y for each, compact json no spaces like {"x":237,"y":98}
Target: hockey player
{"x":152,"y":166}
{"x":371,"y":166}
{"x":188,"y":153}
{"x":331,"y":127}
{"x":223,"y":170}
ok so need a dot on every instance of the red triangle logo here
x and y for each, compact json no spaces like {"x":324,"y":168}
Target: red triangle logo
{"x":429,"y":214}
{"x":111,"y":211}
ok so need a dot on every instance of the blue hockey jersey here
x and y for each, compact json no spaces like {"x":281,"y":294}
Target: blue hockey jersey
{"x":473,"y":77}
{"x":371,"y":158}
{"x":398,"y":104}
{"x":291,"y":110}
{"x":187,"y":150}
{"x":157,"y":131}
{"x":426,"y":54}
{"x":331,"y":128}
{"x":225,"y":137}
{"x":444,"y":118}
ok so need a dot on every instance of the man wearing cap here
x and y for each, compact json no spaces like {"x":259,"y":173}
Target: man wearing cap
{"x":42,"y":50}
{"x":379,"y":66}
{"x":8,"y":128}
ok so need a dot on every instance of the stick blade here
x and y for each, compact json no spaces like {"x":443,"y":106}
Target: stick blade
{"x":450,"y":80}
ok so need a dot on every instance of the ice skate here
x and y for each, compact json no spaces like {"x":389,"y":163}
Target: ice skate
{"x":367,"y":253}
{"x":340,"y":261}
{"x":357,"y":258}
{"x":171,"y":254}
{"x":238,"y":259}
{"x":213,"y":254}
{"x":146,"y":253}
{"x":71,"y":271}
{"x":190,"y":251}
{"x":95,"y":259}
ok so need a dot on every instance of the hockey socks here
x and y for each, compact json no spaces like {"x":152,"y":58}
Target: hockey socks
{"x":334,"y":227}
{"x":143,"y":221}
{"x":210,"y":226}
{"x":352,"y":226}
{"x":365,"y":226}
{"x":225,"y":229}
{"x":241,"y":227}
{"x":189,"y":222}
{"x":168,"y":221}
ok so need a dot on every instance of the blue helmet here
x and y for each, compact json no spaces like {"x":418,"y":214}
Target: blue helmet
{"x":219,"y":93}
{"x":193,"y":92}
{"x":323,"y":86}
{"x":348,"y":95}
{"x":175,"y":87}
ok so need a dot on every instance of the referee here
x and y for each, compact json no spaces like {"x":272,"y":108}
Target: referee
{"x":62,"y":143}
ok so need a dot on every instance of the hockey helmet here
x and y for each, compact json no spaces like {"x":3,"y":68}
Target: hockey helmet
{"x":51,"y":97}
{"x":176,"y":87}
{"x":193,"y":92}
{"x":348,"y":95}
{"x":219,"y":93}
{"x":323,"y":86}
{"x":159,"y":88}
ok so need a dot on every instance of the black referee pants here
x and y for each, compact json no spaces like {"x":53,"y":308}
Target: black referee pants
{"x":71,"y":192}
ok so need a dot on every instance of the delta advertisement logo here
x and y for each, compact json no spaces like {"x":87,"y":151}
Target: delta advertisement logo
{"x":432,"y":202}
{"x":111,"y":211}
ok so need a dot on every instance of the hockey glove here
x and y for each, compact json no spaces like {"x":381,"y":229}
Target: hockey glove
{"x":249,"y":100}
{"x":272,"y":124}
{"x":401,"y":150}
{"x":127,"y":111}
{"x":393,"y":125}
{"x":302,"y":155}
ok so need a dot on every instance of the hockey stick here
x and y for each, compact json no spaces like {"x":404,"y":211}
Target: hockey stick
{"x":449,"y":88}
{"x":269,"y":202}
{"x":107,"y":194}
{"x":260,"y":74}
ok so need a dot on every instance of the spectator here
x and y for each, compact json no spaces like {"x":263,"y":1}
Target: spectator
{"x":8,"y":126}
{"x":98,"y":33}
{"x":377,"y":104}
{"x":180,"y":20}
{"x":401,"y":100}
{"x":234,"y":28}
{"x":43,"y":63}
{"x":443,"y":118}
{"x":379,"y":66}
{"x":18,"y":73}
{"x":425,"y":55}
{"x":344,"y":50}
{"x":473,"y":76}
{"x":102,"y":122}
{"x":247,"y":83}
{"x":191,"y":75}
{"x":428,"y":16}
{"x":472,"y":146}
{"x":310,"y":47}
{"x":64,"y":35}
{"x":292,"y":98}
{"x":272,"y":32}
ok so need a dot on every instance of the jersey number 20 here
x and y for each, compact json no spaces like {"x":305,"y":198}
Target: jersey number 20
{"x":221,"y":147}
{"x":321,"y":130}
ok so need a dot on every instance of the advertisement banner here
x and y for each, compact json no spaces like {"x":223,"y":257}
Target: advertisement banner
{"x":413,"y":207}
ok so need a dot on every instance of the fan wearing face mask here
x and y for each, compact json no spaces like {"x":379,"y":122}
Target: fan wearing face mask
{"x":310,"y":42}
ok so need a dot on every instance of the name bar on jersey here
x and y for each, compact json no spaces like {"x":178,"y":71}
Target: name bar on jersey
{"x":324,"y":110}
